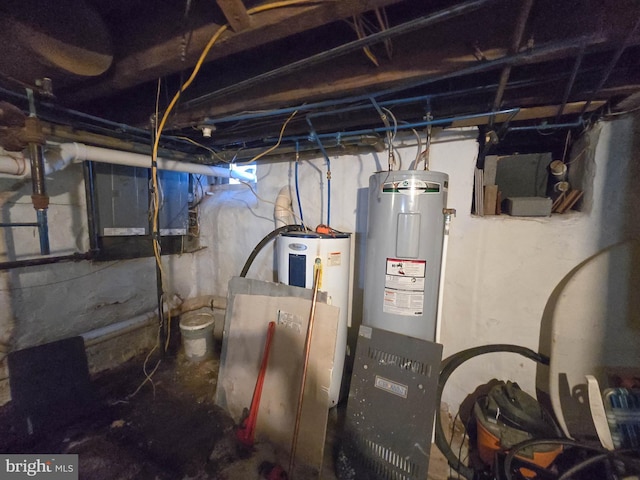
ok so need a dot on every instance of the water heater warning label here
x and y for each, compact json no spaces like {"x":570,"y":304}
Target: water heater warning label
{"x":404,"y":287}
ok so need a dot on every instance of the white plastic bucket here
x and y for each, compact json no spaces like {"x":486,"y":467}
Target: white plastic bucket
{"x":197,"y":334}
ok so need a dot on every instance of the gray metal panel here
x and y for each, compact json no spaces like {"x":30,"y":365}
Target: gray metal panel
{"x":391,"y":406}
{"x":122,"y":194}
{"x":122,"y":199}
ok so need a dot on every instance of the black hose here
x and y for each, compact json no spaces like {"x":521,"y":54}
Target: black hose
{"x":447,"y":367}
{"x":264,"y":241}
{"x":600,"y":455}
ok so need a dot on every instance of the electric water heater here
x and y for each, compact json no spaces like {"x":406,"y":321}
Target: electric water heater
{"x":405,"y":233}
{"x":298,"y":255}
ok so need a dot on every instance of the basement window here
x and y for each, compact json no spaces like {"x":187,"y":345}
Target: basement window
{"x":247,"y":172}
{"x":119,"y":206}
{"x":515,"y":185}
{"x":529,"y":173}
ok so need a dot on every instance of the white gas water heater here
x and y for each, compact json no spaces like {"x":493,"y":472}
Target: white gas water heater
{"x":405,"y":235}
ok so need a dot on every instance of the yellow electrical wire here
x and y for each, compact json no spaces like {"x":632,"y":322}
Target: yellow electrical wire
{"x":198,"y":144}
{"x":357,"y":26}
{"x":174,"y":100}
{"x":272,"y":148}
{"x":160,"y":126}
{"x":205,"y":52}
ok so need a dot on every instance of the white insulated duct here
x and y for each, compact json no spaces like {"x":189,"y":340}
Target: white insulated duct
{"x":59,"y":156}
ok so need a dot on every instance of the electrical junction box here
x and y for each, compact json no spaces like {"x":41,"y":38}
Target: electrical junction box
{"x":528,"y":206}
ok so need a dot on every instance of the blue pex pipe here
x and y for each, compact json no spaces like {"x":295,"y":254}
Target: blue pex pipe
{"x":328,"y":162}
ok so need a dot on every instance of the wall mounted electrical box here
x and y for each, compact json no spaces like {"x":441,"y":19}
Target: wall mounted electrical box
{"x":121,"y":219}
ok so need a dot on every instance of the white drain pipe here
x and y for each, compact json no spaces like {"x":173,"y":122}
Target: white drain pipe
{"x":59,"y":156}
{"x":15,"y":165}
{"x":283,"y":210}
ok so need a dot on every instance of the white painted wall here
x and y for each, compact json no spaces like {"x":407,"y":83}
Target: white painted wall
{"x":500,"y":271}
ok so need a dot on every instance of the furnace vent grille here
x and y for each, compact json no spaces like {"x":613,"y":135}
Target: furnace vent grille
{"x":404,"y":363}
{"x":379,"y":454}
{"x":387,"y":435}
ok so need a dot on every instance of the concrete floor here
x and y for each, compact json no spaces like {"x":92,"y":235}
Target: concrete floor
{"x":170,"y":429}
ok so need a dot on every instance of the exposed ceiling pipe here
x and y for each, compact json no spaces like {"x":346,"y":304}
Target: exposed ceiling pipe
{"x":572,"y":79}
{"x":407,"y":27}
{"x":57,"y":114}
{"x":405,"y":126}
{"x":564,"y":47}
{"x":352,"y":102}
{"x":612,"y":64}
{"x":513,"y":49}
{"x":61,"y":155}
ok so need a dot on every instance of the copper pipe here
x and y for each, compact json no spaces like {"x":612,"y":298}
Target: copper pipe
{"x":307,"y":348}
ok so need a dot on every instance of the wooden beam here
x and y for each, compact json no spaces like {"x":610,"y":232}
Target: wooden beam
{"x":164,"y":58}
{"x":531,"y":113}
{"x":348,"y":75}
{"x":236,"y":14}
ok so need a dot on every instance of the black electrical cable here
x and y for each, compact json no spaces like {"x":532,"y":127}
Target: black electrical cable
{"x":447,"y":367}
{"x":600,"y":455}
{"x":265,"y":240}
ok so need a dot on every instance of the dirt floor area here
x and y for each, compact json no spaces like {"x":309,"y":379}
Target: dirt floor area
{"x":168,"y":429}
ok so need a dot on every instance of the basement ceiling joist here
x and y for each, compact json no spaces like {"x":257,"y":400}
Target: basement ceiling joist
{"x":449,"y":50}
{"x":454,"y":58}
{"x":170,"y":56}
